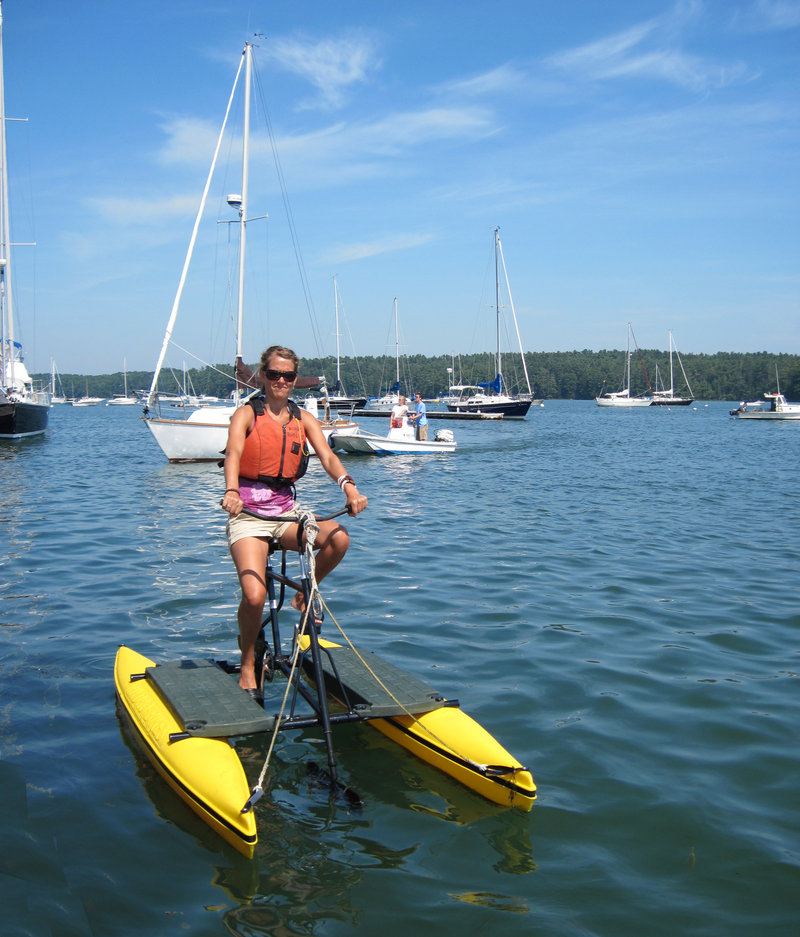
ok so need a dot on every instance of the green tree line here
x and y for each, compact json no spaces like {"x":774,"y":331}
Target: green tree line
{"x":565,"y":375}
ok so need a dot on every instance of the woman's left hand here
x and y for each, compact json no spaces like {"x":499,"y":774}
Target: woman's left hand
{"x":356,"y":502}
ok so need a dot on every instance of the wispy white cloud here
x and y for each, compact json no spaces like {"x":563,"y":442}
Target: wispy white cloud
{"x":500,"y":80}
{"x":189,"y":140}
{"x":769,"y":16}
{"x":134,"y":211}
{"x":649,"y":50}
{"x":398,"y":242}
{"x":330,"y":65}
{"x":340,"y":151}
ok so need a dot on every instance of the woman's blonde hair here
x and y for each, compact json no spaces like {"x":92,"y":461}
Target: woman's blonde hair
{"x":278,"y":351}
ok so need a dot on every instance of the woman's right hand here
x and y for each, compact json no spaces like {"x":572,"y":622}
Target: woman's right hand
{"x":232,"y":503}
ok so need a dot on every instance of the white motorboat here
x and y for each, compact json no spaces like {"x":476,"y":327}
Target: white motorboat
{"x":24,"y":410}
{"x":622,"y":398}
{"x":400,"y":441}
{"x":773,"y":407}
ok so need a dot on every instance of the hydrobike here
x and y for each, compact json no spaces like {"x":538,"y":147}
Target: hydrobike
{"x":185,"y":713}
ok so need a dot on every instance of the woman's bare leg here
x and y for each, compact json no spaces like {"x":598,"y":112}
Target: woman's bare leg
{"x":250,"y":558}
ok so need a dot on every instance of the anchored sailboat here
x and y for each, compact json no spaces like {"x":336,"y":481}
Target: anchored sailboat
{"x":340,"y":399}
{"x":494,"y":397}
{"x":202,"y":435}
{"x":24,"y":411}
{"x":668,"y":398}
{"x":622,"y":398}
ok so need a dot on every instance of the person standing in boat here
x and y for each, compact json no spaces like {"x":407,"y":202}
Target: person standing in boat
{"x":399,"y":417}
{"x":420,"y":418}
{"x":266,"y":453}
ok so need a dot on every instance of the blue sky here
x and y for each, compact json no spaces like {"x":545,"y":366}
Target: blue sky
{"x":640,"y":160}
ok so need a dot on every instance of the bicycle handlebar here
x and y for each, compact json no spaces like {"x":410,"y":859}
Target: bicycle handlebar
{"x":291,"y":519}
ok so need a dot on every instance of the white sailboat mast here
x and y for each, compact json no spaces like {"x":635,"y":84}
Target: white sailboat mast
{"x":396,"y":347}
{"x":671,"y":378}
{"x":248,"y":54}
{"x":497,"y":360}
{"x":7,"y":323}
{"x":628,"y":385}
{"x":339,"y":387}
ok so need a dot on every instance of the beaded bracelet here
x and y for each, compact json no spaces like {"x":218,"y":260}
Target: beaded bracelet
{"x":232,"y":489}
{"x":343,"y":480}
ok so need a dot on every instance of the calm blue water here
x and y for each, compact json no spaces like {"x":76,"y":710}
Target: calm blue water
{"x":614,"y":595}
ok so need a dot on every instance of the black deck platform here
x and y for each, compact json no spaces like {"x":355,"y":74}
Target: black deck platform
{"x":208,"y":702}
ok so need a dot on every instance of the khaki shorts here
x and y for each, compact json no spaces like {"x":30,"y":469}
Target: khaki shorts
{"x":244,"y":525}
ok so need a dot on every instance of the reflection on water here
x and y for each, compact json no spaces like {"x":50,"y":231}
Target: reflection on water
{"x":623,"y":629}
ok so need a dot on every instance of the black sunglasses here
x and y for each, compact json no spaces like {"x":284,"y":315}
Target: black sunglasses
{"x":272,"y":375}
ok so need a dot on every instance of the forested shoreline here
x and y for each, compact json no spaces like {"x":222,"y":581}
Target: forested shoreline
{"x":565,"y":375}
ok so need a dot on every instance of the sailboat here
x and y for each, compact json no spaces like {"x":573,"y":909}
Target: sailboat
{"x":123,"y":400}
{"x":56,"y":396}
{"x":392,"y":394}
{"x":86,"y":400}
{"x":668,"y":398}
{"x":202,"y":435}
{"x":493,"y":397}
{"x":622,"y":398}
{"x":340,"y":399}
{"x":24,"y":411}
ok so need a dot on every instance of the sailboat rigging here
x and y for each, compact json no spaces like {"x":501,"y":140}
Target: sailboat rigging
{"x":494,"y":396}
{"x":24,"y":410}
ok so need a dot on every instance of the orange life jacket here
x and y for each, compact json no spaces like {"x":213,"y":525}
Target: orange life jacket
{"x":275,"y":454}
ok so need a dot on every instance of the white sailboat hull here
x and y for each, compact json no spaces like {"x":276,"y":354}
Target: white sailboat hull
{"x":622,"y":400}
{"x":203,"y":436}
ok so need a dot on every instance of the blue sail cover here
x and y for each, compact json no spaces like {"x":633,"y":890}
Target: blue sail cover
{"x":495,"y":385}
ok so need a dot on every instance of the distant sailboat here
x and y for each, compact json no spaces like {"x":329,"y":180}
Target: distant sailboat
{"x":24,"y":411}
{"x":622,"y":398}
{"x":123,"y":400}
{"x":340,"y":399}
{"x":493,"y":397}
{"x":56,"y":396}
{"x":392,"y":394}
{"x":86,"y":400}
{"x":668,"y":398}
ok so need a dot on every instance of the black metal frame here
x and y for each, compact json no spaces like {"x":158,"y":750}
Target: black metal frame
{"x":282,"y":661}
